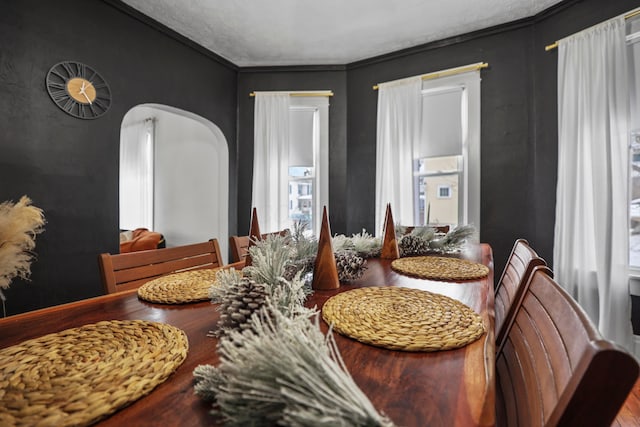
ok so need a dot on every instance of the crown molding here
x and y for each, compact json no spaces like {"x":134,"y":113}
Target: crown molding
{"x":141,"y":17}
{"x":292,"y":68}
{"x":462,"y":38}
{"x":521,"y":23}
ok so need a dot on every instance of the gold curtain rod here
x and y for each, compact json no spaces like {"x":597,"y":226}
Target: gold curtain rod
{"x":450,"y":72}
{"x":629,"y":15}
{"x":330,"y":93}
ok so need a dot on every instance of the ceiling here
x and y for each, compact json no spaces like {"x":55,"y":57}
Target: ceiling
{"x":312,"y":32}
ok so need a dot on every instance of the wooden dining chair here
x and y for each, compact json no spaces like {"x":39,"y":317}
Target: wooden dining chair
{"x":126,"y":271}
{"x":522,"y":260}
{"x":240,"y":244}
{"x":554,"y":368}
{"x":239,"y":247}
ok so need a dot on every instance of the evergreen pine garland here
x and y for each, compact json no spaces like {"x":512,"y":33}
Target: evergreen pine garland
{"x":239,"y":296}
{"x":363,"y":243}
{"x":284,"y":371}
{"x":276,"y":367}
{"x":425,"y":240}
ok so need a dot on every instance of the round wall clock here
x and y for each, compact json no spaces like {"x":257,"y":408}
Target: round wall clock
{"x":78,"y":90}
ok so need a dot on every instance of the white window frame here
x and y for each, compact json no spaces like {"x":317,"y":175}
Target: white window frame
{"x":469,"y":181}
{"x":320,"y":179}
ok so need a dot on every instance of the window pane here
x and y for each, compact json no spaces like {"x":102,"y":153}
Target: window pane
{"x":301,"y":196}
{"x":441,"y":133}
{"x":634,"y":208}
{"x":436,"y":190}
{"x":301,"y":202}
{"x":438,"y":199}
{"x":444,"y":191}
{"x":301,"y":137}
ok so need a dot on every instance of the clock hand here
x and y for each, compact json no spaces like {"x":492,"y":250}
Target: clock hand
{"x":83,"y":93}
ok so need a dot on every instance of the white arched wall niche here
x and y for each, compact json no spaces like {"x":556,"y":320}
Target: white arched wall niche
{"x":191,"y":176}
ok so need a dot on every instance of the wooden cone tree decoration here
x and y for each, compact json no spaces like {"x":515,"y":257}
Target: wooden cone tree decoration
{"x":325,"y":272}
{"x":389,"y":242}
{"x":254,"y":233}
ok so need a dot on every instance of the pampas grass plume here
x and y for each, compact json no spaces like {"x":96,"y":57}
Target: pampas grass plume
{"x":19,"y":225}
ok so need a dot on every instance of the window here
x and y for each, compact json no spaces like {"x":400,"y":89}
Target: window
{"x":308,"y":161}
{"x":446,"y":166}
{"x":290,"y":161}
{"x":444,"y":191}
{"x":633,"y":40}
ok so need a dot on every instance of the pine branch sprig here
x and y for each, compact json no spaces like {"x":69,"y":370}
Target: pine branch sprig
{"x":366,"y":245}
{"x":226,"y":279}
{"x":460,"y":235}
{"x":425,"y":233}
{"x":269,"y":258}
{"x":284,"y":371}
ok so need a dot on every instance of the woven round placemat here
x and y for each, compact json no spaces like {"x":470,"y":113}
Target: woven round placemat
{"x":179,"y":288}
{"x":79,"y":376}
{"x":440,"y":268}
{"x":403,"y":319}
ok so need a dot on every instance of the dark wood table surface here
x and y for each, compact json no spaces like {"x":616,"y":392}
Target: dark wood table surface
{"x":453,"y":387}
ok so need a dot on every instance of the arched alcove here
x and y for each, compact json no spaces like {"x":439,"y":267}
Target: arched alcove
{"x":190,"y":184}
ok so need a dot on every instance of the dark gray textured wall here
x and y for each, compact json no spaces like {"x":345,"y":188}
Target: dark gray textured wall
{"x":69,"y":167}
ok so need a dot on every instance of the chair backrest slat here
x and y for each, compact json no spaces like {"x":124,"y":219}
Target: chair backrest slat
{"x":554,"y":367}
{"x":130,"y":270}
{"x":519,"y":267}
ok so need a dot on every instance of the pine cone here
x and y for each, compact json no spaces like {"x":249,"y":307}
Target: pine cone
{"x":410,"y":245}
{"x":350,"y":265}
{"x":240,"y":303}
{"x":290,"y":271}
{"x":304,"y":265}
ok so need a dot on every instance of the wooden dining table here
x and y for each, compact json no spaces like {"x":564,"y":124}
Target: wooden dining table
{"x":441,"y":388}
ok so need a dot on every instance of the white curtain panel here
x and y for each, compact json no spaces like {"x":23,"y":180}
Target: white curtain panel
{"x":398,"y":131}
{"x":136,"y":175}
{"x":590,"y":255}
{"x":271,"y":160}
